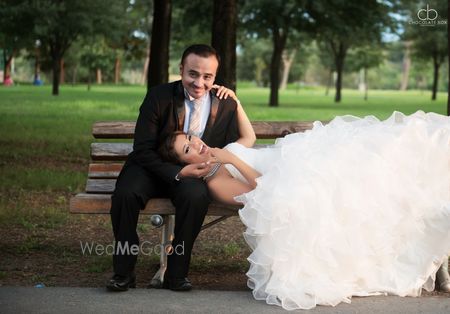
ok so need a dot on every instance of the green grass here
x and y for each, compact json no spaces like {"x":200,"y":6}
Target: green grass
{"x":45,"y":139}
{"x":312,"y":104}
{"x":98,"y":263}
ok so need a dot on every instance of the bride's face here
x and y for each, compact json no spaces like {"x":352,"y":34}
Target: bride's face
{"x":191,"y":149}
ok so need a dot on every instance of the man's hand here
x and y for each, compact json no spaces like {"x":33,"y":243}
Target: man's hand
{"x":223,"y":92}
{"x":198,"y":170}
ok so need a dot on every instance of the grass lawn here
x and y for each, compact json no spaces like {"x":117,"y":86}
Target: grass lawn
{"x":44,"y":156}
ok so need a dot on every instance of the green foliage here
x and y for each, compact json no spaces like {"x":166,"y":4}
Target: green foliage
{"x":351,"y":22}
{"x":80,"y":17}
{"x":16,"y":25}
{"x":131,"y":37}
{"x":97,"y":263}
{"x":253,"y":61}
{"x":305,"y":49}
{"x":364,"y":57}
{"x":31,"y":243}
{"x":231,"y":249}
{"x":263,"y":17}
{"x":95,"y":54}
{"x":191,"y":24}
{"x":430,"y":40}
{"x":143,"y":227}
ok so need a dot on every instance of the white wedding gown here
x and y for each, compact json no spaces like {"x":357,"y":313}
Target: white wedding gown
{"x":356,"y":207}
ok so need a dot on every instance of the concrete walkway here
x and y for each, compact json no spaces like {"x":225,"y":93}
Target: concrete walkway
{"x":97,"y":300}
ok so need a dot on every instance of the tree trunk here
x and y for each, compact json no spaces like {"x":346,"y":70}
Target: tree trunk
{"x":57,"y":49}
{"x":275,"y":75}
{"x":89,"y":79}
{"x":145,"y":69}
{"x":117,"y":71}
{"x":7,"y":80}
{"x":37,"y":68}
{"x":158,"y":71}
{"x":224,"y":41}
{"x":287,"y":64}
{"x":279,"y":42}
{"x":436,"y":66}
{"x":339,"y":62}
{"x":56,"y":66}
{"x":62,"y":76}
{"x":7,"y":73}
{"x":4,"y":62}
{"x":98,"y":76}
{"x":330,"y":80}
{"x":366,"y":84}
{"x":74,"y":74}
{"x":406,"y":66}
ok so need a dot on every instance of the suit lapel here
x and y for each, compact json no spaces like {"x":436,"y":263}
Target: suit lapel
{"x":215,"y":104}
{"x":179,"y":106}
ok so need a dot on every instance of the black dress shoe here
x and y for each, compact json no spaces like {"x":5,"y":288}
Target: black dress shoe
{"x":121,"y":283}
{"x":177,"y":284}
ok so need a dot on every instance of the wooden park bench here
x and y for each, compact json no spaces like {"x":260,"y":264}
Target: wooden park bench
{"x":107,"y":161}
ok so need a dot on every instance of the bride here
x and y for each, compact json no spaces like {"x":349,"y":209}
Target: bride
{"x":356,"y":207}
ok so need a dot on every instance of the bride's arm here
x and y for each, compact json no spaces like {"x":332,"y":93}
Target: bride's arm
{"x":247,"y":136}
{"x":227,"y":157}
{"x":224,"y":188}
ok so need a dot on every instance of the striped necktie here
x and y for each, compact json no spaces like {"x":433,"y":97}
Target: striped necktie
{"x":195,"y":117}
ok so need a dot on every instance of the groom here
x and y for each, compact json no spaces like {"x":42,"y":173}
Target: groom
{"x":189,"y":105}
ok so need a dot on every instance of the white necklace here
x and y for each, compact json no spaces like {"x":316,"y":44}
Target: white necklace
{"x":213,"y":171}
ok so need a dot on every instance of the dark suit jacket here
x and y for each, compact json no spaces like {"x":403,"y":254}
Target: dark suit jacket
{"x":162,"y":112}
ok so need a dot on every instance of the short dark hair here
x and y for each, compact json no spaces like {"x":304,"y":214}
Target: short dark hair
{"x":167,"y":148}
{"x":201,"y":50}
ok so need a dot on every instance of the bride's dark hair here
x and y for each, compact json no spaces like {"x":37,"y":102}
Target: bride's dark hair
{"x":167,"y":148}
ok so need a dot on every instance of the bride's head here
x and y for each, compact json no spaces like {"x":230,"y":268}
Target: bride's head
{"x":182,"y":148}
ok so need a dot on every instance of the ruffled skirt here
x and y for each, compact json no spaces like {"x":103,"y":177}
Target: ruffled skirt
{"x":357,"y":207}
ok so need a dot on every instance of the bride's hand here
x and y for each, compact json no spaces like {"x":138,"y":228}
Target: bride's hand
{"x":222,"y":155}
{"x":223,"y":92}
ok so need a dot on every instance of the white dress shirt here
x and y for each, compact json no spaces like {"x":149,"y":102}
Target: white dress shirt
{"x":205,"y":110}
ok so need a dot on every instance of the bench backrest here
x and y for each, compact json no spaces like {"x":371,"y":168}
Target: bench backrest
{"x":107,"y":157}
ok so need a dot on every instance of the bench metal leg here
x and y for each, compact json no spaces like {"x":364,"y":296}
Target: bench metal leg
{"x":212,"y":223}
{"x":166,"y":248}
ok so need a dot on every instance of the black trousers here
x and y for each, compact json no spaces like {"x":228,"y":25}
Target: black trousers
{"x":134,"y":187}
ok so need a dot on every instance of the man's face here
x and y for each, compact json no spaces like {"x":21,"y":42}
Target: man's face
{"x":198,"y":74}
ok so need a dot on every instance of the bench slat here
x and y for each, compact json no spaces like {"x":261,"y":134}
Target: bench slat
{"x":113,"y":129}
{"x":275,"y":129}
{"x":104,"y":170}
{"x":110,"y":151}
{"x":263,"y":129}
{"x":84,"y":203}
{"x":100,"y":185}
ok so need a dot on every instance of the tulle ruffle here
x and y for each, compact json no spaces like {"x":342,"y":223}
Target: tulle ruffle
{"x":356,"y":207}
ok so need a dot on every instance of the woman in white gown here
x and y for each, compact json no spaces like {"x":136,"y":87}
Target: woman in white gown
{"x":356,"y":207}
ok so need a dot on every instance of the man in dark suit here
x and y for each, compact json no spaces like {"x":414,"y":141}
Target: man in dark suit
{"x":188,"y":105}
